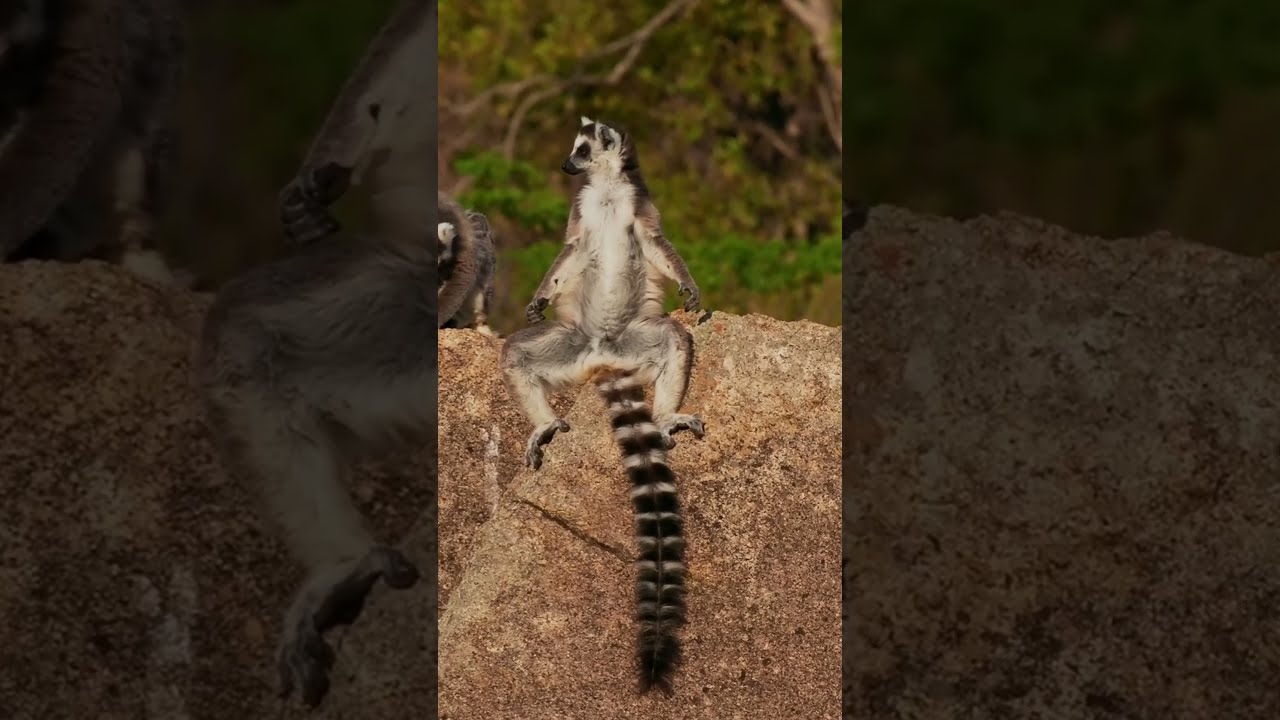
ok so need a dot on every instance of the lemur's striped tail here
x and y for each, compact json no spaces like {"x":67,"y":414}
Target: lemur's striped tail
{"x":660,"y":563}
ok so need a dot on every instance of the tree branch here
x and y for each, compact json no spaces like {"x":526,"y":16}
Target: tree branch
{"x":818,"y":17}
{"x":539,"y":88}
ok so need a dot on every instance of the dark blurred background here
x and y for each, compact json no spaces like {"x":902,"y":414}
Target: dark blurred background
{"x":1112,"y":119}
{"x":260,"y":77}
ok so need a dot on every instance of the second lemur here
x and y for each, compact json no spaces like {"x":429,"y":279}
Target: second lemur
{"x":465,"y":267}
{"x":606,"y":288}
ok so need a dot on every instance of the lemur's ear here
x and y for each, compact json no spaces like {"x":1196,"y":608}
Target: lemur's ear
{"x":609,"y":138}
{"x":585,"y":120}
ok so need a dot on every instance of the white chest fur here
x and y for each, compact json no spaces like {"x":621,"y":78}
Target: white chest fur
{"x":607,"y":213}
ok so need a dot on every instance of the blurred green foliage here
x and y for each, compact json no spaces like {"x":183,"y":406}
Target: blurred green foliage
{"x":758,"y":226}
{"x":1110,"y":118}
{"x":728,"y":267}
{"x":259,"y":79}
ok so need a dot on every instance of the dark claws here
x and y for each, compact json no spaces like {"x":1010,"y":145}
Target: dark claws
{"x":533,"y":311}
{"x":694,"y":300}
{"x":691,"y":423}
{"x":304,"y":202}
{"x":533,"y":452}
{"x":305,"y":658}
{"x":307,"y":661}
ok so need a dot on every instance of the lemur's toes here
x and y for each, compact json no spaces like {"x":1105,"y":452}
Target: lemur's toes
{"x":397,"y":571}
{"x":540,"y":437}
{"x":304,"y":662}
{"x":533,"y":456}
{"x":676,"y":423}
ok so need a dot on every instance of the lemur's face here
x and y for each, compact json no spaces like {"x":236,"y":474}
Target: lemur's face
{"x":596,"y":146}
{"x":445,"y":233}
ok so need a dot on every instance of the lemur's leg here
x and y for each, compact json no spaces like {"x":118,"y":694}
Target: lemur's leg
{"x":298,"y":469}
{"x":535,"y":360}
{"x":134,"y":246}
{"x":480,"y":311}
{"x":669,"y":347}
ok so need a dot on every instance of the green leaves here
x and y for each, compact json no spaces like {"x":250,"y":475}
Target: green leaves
{"x":513,"y":189}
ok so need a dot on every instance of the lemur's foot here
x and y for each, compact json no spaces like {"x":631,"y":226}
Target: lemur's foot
{"x":486,"y":331}
{"x":540,"y":437}
{"x":330,"y":599}
{"x":675,"y":423}
{"x":150,"y":266}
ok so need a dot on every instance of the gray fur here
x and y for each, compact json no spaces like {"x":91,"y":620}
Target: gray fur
{"x":89,"y":137}
{"x":306,"y":365}
{"x":465,"y":268}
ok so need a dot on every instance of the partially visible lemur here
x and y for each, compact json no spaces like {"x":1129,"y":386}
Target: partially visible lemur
{"x":88,"y":94}
{"x":383,"y":110}
{"x":606,"y":287}
{"x":465,"y":267}
{"x":309,"y":363}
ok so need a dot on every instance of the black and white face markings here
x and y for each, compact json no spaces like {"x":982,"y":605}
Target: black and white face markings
{"x":446,"y":233}
{"x":597,"y":145}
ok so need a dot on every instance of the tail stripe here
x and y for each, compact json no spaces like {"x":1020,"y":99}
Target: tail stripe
{"x":660,"y":571}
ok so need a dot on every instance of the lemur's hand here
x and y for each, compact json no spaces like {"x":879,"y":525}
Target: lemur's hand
{"x":326,"y":184}
{"x":533,"y":311}
{"x":694,"y":301}
{"x":304,"y":202}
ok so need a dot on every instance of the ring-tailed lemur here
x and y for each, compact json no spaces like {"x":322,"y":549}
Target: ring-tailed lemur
{"x":307,"y":365}
{"x":314,"y":361}
{"x":465,"y":267}
{"x":606,"y":287}
{"x":88,"y":98}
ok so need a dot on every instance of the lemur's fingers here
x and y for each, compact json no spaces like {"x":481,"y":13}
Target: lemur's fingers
{"x":533,"y":311}
{"x":326,"y":184}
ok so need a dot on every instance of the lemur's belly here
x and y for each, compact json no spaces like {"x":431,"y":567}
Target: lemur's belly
{"x":613,"y":283}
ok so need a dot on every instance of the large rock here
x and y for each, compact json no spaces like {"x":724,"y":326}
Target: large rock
{"x":135,"y":580}
{"x":1061,"y":474}
{"x":536,"y":574}
{"x":138,"y":583}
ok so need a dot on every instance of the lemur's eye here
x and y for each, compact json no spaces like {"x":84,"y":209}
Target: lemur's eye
{"x":583,"y":151}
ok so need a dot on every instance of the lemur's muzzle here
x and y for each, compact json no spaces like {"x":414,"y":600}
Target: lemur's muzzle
{"x":568,"y":167}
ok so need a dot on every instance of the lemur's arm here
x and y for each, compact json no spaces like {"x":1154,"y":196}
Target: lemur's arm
{"x":553,"y":281}
{"x":659,"y":252}
{"x":54,"y":143}
{"x":454,"y":293}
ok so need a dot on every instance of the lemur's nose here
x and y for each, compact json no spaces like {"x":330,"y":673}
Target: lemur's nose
{"x":567,"y":165}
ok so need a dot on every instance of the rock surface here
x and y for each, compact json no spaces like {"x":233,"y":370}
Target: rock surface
{"x":135,"y":581}
{"x":536,"y":578}
{"x":1061,"y":467}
